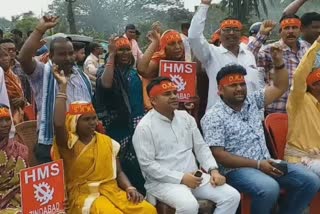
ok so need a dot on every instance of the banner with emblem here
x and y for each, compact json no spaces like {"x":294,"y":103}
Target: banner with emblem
{"x":183,"y":74}
{"x":42,"y":188}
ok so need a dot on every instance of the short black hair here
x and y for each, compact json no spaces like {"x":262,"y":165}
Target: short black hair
{"x":185,"y":26}
{"x":2,"y":41}
{"x":230,"y":69}
{"x":78,"y":46}
{"x":17,"y":32}
{"x":130,"y":27}
{"x":93,"y":45}
{"x":308,"y":18}
{"x":156,"y":81}
{"x":289,"y":16}
{"x":55,"y":41}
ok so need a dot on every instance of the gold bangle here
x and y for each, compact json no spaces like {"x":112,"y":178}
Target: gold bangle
{"x":131,"y":188}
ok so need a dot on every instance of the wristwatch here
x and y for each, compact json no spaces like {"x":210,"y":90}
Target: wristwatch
{"x":210,"y":170}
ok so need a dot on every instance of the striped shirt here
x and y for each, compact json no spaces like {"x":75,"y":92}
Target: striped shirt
{"x":264,"y":60}
{"x":76,"y":89}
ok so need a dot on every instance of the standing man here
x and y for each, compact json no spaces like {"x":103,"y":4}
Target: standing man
{"x":233,"y":130}
{"x":184,"y":35}
{"x":214,"y":58}
{"x":79,"y":54}
{"x":293,"y":48}
{"x":44,"y":85}
{"x":168,"y":145}
{"x":92,"y":64}
{"x":130,"y":33}
{"x":310,"y":22}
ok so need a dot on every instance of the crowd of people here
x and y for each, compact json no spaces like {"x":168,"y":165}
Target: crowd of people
{"x":128,"y":142}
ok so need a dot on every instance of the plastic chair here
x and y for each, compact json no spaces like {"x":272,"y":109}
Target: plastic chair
{"x":276,"y":125}
{"x":277,"y":128}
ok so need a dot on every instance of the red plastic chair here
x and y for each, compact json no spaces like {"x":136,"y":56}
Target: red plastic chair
{"x":277,"y":128}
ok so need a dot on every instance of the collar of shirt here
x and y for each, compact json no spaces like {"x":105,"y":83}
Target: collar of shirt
{"x":230,"y":110}
{"x":161,"y":117}
{"x":300,"y":44}
{"x":94,"y":57}
{"x":223,"y":50}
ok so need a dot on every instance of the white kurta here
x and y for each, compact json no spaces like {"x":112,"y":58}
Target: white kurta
{"x":166,"y":150}
{"x":214,"y":58}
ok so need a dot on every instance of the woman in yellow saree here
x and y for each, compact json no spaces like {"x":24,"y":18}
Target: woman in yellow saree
{"x":95,"y":182}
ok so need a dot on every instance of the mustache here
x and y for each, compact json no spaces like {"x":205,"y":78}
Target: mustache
{"x":291,"y":36}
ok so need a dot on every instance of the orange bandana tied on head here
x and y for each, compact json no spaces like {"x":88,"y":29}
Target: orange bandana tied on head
{"x":313,"y":77}
{"x":292,"y":22}
{"x":163,"y":87}
{"x":168,"y":37}
{"x":231,"y":79}
{"x":81,"y":108}
{"x":4,"y":112}
{"x":122,"y":43}
{"x":231,"y":23}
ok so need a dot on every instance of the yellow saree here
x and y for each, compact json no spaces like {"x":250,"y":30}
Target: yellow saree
{"x":90,"y":172}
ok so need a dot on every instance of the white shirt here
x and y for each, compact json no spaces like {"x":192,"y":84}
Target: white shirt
{"x":91,"y":66}
{"x":167,"y":149}
{"x":4,"y":99}
{"x":214,"y":58}
{"x":187,"y":48}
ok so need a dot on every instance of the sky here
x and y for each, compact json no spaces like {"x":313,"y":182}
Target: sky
{"x":14,"y":7}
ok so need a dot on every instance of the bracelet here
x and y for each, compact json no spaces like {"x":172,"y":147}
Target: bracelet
{"x":60,"y":96}
{"x":258,"y":164}
{"x":279,"y":67}
{"x":63,"y":94}
{"x":131,"y":188}
{"x":211,"y":169}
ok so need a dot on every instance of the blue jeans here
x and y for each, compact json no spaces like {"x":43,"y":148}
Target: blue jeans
{"x":300,"y":184}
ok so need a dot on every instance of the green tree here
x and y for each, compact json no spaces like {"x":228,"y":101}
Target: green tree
{"x":25,"y":22}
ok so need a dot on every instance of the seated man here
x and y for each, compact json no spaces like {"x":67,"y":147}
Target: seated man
{"x":168,"y":145}
{"x":304,"y":112}
{"x":233,"y":130}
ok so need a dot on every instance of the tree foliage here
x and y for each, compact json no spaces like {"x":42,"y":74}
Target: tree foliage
{"x":105,"y":17}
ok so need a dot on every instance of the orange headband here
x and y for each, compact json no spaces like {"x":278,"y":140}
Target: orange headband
{"x":292,"y":22}
{"x":81,"y":108}
{"x":231,"y":23}
{"x":4,"y":112}
{"x":169,"y":37}
{"x":163,"y":87}
{"x":122,"y":43}
{"x":313,"y":77}
{"x":231,"y":79}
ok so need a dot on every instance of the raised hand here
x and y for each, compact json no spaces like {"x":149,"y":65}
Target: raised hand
{"x":208,"y":2}
{"x":153,"y":36}
{"x":47,"y":22}
{"x":277,"y":55}
{"x":112,"y":45}
{"x":59,"y":76}
{"x":267,"y":26}
{"x":157,"y":26}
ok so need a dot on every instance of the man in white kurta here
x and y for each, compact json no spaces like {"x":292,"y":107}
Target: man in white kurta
{"x":168,"y":151}
{"x":214,"y":58}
